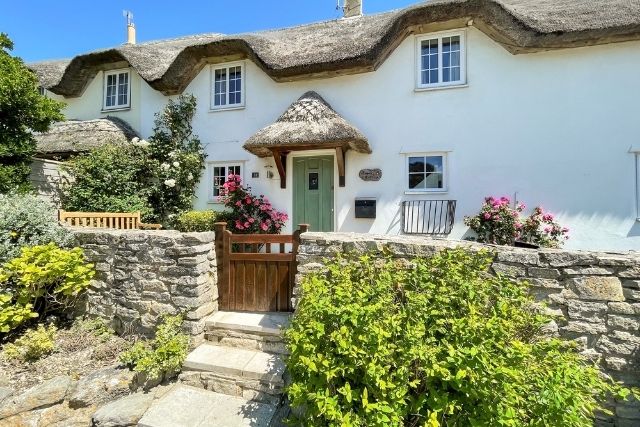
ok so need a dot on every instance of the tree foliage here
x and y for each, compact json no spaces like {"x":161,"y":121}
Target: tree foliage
{"x":441,"y":343}
{"x":22,"y":111}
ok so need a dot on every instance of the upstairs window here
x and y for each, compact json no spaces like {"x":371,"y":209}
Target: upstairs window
{"x":219,"y":174}
{"x":116,"y":89}
{"x":441,"y":60}
{"x":227,"y":84}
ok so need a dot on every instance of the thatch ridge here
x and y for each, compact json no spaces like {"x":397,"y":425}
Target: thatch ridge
{"x":309,"y":122}
{"x":77,"y":136}
{"x":358,"y":44}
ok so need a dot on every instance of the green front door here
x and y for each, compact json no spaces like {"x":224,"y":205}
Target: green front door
{"x":313,"y":192}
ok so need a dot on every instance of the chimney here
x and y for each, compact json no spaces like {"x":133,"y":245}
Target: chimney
{"x":131,"y":34}
{"x":352,"y":8}
{"x":131,"y":28}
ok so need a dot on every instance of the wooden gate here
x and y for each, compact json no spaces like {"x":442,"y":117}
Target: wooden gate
{"x":252,"y":274}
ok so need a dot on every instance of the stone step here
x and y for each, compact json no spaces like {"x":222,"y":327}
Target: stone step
{"x":195,"y":407}
{"x":254,"y":331}
{"x":250,"y":374}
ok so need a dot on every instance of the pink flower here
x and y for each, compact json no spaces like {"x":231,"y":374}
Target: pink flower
{"x":251,"y":220}
{"x":487,"y":215}
{"x":547,"y":217}
{"x":547,"y":229}
{"x":246,"y":224}
{"x":238,"y":203}
{"x":264,"y":226}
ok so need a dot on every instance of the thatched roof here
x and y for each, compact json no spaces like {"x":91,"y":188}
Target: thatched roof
{"x":77,"y":136}
{"x":357,"y":44}
{"x":310,"y":122}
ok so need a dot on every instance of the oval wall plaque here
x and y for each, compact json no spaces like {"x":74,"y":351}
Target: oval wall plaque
{"x":370,"y":174}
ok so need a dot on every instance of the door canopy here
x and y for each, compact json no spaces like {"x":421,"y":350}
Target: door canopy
{"x":308,"y":124}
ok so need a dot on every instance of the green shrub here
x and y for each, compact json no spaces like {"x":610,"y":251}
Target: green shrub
{"x":162,"y":356}
{"x":32,"y":345}
{"x":26,"y":220}
{"x":443,"y":343}
{"x":111,"y":178}
{"x":196,"y":221}
{"x":42,"y":280}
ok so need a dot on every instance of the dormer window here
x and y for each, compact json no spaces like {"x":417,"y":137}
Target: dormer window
{"x":227,"y":86}
{"x":441,"y":60}
{"x":117,"y":90}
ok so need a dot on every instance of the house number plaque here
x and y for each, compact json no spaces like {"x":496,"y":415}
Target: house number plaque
{"x":370,"y":174}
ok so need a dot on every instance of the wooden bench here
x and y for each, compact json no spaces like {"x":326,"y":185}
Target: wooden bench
{"x":117,"y":220}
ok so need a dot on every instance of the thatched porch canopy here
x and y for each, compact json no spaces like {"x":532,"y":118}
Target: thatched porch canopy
{"x":71,"y":137}
{"x":308,"y":124}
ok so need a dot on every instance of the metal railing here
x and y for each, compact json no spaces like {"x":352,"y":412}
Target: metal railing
{"x":432,"y":217}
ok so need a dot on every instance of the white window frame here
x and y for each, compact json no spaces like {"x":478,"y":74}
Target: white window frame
{"x":463,"y":60}
{"x":243,"y":86}
{"x":212,"y":165}
{"x":445,"y":172}
{"x":104,"y":90}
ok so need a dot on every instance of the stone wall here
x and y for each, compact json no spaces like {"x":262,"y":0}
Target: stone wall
{"x":141,"y":275}
{"x":596,"y":295}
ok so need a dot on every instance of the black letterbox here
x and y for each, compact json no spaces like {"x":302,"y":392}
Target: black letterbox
{"x":365,"y":208}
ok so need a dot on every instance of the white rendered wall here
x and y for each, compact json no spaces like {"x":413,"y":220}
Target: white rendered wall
{"x":553,"y":127}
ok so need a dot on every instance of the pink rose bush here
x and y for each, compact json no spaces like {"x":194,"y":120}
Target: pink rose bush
{"x":501,"y":224}
{"x":249,"y":214}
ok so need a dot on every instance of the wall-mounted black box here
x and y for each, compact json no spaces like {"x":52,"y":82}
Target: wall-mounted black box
{"x":365,"y":207}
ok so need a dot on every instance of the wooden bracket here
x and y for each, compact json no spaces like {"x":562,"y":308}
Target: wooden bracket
{"x":281,"y":164}
{"x":340,"y":159}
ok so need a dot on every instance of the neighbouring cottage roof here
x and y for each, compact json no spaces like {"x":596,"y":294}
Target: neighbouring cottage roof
{"x":357,"y":44}
{"x":309,"y":123}
{"x":77,"y":136}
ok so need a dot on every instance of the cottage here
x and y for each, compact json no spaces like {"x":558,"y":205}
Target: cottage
{"x":402,"y":122}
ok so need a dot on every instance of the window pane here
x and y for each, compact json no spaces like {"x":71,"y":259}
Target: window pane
{"x":433,"y":164}
{"x":416,"y":181}
{"x":455,"y":59}
{"x":446,"y":77}
{"x":455,"y":43}
{"x":416,"y":164}
{"x":446,"y":44}
{"x":433,"y":180}
{"x":110,"y":100}
{"x":455,"y":74}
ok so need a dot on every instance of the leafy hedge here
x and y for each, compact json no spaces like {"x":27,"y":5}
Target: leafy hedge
{"x":196,"y":221}
{"x":440,"y":344}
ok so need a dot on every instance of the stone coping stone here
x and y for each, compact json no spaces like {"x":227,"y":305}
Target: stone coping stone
{"x":195,"y":407}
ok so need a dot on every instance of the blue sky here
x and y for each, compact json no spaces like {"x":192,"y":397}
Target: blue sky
{"x":54,"y":29}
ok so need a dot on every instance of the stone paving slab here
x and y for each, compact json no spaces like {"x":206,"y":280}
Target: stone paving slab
{"x":236,"y":362}
{"x":186,"y":406}
{"x":264,"y":323}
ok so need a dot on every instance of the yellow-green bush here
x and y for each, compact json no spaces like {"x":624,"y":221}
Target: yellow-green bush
{"x":42,"y":280}
{"x":162,"y":356}
{"x":443,"y":343}
{"x":196,"y":221}
{"x":32,"y":345}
